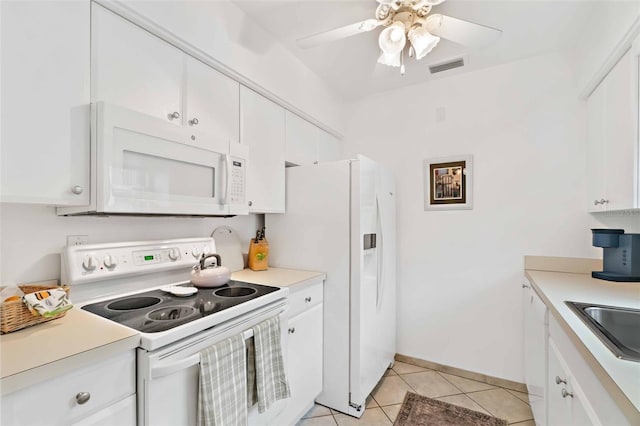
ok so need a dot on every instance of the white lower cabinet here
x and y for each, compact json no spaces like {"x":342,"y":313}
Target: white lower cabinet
{"x":563,"y":388}
{"x":120,"y":413}
{"x":101,"y":394}
{"x":566,"y":400}
{"x":535,"y":351}
{"x":585,"y":400}
{"x":304,"y":353}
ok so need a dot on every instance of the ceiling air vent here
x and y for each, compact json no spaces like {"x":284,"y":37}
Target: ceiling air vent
{"x":456,"y":63}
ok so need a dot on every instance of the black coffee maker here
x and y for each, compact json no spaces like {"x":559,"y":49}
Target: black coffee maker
{"x":621,"y":258}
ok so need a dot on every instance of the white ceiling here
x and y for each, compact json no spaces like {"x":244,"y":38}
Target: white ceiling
{"x":349,"y":66}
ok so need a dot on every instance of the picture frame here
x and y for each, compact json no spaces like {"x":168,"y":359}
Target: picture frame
{"x":448,"y":183}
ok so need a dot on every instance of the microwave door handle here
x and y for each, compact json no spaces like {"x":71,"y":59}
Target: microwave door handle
{"x":227,"y":177}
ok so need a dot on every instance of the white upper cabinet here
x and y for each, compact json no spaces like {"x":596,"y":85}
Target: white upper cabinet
{"x":44,"y":91}
{"x":612,"y":140}
{"x":137,"y":70}
{"x":301,"y":146}
{"x":329,"y":147}
{"x":596,"y":185}
{"x":262,"y":129}
{"x":212,"y":101}
{"x":308,"y":144}
{"x":134,"y":69}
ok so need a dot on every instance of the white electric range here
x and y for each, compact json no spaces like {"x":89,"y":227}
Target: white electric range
{"x":124,"y":282}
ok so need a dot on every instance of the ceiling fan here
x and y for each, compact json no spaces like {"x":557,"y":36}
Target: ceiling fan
{"x":409,"y":20}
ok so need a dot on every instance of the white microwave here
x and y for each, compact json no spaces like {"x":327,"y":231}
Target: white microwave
{"x":144,"y":165}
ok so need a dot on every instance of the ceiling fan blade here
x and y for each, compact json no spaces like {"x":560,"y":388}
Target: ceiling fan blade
{"x":339,"y":33}
{"x":461,"y":31}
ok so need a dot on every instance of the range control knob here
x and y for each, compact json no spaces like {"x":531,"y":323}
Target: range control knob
{"x":195,"y":252}
{"x":90,"y":263}
{"x":110,"y":261}
{"x":174,"y":254}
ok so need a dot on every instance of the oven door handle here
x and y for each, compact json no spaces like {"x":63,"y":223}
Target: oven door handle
{"x":163,"y":369}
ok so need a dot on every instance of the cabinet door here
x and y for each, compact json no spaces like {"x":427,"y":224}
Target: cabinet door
{"x":305,"y":362}
{"x":620,"y":135}
{"x":329,"y":147}
{"x":122,"y":413}
{"x":535,"y":347}
{"x":212,"y":101}
{"x":262,"y":130}
{"x":45,"y":61}
{"x":134,"y":69}
{"x":105,"y":383}
{"x":301,"y":146}
{"x":596,"y":174}
{"x":567,"y":404}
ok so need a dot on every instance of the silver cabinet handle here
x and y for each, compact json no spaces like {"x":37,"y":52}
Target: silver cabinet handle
{"x":596,"y":202}
{"x":565,"y":393}
{"x":525,"y":286}
{"x":559,"y":380}
{"x":307,"y":299}
{"x":82,"y":397}
{"x":77,"y":189}
{"x":292,"y":330}
{"x":603,"y":201}
{"x":250,"y":203}
{"x":193,"y":122}
{"x":174,"y":115}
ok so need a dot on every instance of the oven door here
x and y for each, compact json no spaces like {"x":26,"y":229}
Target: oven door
{"x":144,"y":165}
{"x":168,"y":377}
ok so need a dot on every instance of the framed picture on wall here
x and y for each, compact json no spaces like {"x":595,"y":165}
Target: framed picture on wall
{"x":448,"y":183}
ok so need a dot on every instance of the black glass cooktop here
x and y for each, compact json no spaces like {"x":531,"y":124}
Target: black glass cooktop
{"x":157,"y":310}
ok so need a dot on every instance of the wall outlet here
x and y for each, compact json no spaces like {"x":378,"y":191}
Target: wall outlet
{"x":77,"y":240}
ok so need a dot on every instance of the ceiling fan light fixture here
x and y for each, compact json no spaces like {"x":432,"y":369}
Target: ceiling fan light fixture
{"x":422,"y":41}
{"x":392,"y":39}
{"x":392,"y":60}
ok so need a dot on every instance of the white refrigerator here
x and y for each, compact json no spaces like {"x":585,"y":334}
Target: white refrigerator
{"x":340,"y":219}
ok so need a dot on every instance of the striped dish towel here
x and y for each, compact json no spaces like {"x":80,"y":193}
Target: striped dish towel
{"x":271,"y":381}
{"x":222,"y":398}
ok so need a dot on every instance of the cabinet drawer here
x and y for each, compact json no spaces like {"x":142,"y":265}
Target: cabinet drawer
{"x":304,"y":298}
{"x":56,"y":399}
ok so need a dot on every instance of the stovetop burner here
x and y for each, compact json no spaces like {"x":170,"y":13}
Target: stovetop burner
{"x":156,"y":310}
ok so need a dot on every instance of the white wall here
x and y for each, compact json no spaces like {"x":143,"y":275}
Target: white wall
{"x":31,"y":237}
{"x":223,"y":30}
{"x":459,"y":272}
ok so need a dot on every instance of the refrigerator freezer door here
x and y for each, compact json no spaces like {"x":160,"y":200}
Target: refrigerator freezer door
{"x":314,"y":235}
{"x":373,"y":302}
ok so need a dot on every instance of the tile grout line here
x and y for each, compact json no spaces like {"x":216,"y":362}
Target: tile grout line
{"x":448,"y":381}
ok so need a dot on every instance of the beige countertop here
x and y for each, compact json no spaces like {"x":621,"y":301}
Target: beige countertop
{"x":622,"y":377}
{"x":57,"y":347}
{"x":279,"y":277}
{"x":78,"y":339}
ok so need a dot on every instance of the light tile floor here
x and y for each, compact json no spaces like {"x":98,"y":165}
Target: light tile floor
{"x":385,"y":400}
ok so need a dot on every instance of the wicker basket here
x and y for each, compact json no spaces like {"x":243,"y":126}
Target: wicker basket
{"x":15,"y":315}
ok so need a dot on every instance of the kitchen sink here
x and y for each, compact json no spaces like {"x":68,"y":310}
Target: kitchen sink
{"x":618,"y":328}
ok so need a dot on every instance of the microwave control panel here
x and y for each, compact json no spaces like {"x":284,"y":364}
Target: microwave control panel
{"x":237,"y":186}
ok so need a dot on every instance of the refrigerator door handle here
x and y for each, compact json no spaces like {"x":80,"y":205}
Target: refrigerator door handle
{"x":380,"y":277}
